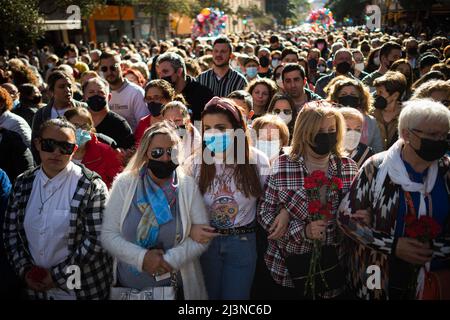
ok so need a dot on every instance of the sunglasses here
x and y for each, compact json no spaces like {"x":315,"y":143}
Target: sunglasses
{"x":157,"y":153}
{"x":112,"y":68}
{"x":50,"y":145}
{"x":285,"y":111}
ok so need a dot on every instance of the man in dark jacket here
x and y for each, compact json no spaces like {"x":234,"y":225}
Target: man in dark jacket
{"x":171,"y":67}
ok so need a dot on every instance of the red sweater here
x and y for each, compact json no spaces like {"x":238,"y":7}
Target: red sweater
{"x":143,"y":125}
{"x":103,"y":159}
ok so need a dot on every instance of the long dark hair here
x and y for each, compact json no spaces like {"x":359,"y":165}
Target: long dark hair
{"x":282,"y":96}
{"x":245,"y":175}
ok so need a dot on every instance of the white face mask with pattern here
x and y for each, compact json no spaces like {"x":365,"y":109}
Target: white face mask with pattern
{"x":351,"y":139}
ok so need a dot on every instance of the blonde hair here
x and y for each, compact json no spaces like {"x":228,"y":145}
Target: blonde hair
{"x":283,"y":130}
{"x":351,"y":113}
{"x":178,"y":105}
{"x":140,"y":157}
{"x":425,"y":90}
{"x":307,"y":126}
{"x":335,"y":86}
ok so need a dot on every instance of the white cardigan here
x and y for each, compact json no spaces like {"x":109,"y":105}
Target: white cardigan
{"x":183,"y":257}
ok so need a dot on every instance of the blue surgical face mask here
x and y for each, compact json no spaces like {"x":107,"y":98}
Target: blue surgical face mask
{"x":252,"y":72}
{"x":16,"y":103}
{"x":82,"y":136}
{"x":217,"y":142}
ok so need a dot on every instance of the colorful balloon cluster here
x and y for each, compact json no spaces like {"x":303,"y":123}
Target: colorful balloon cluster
{"x":322,"y":17}
{"x":209,"y":22}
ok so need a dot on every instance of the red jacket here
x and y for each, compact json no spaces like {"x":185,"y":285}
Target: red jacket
{"x":103,"y":159}
{"x":143,"y":125}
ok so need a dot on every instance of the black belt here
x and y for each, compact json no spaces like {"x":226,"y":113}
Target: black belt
{"x":238,"y":230}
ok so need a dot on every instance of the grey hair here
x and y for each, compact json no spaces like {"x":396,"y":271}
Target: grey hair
{"x":174,"y":59}
{"x":427,"y":111}
{"x":140,"y":157}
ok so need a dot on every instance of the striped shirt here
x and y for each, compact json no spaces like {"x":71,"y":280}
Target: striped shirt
{"x":222,"y":87}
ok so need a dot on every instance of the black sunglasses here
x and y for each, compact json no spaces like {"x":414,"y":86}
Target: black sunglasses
{"x":157,"y":153}
{"x":113,"y":68}
{"x":50,"y":145}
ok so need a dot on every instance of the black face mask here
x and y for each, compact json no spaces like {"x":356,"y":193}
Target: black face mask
{"x":324,"y":143}
{"x":155,"y":108}
{"x":412,"y":51}
{"x":96,"y":103}
{"x":349,"y":101}
{"x":161,"y":169}
{"x":312,"y":63}
{"x":264,"y":61}
{"x":343,"y":67}
{"x":169,"y":80}
{"x":380,"y":102}
{"x":431,"y":150}
{"x":36,"y":100}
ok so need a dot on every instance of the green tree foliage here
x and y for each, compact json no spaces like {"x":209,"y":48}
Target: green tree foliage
{"x":21,"y":23}
{"x":354,"y":9}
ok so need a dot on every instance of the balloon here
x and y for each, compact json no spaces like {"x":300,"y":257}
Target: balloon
{"x":205,"y":12}
{"x":200,"y":18}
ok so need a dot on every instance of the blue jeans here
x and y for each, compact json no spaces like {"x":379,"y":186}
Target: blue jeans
{"x":229,"y":266}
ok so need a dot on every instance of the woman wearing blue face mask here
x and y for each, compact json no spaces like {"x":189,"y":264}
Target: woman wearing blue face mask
{"x":231,"y":175}
{"x":95,"y":155}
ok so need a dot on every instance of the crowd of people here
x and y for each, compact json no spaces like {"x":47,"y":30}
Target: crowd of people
{"x":253,"y":166}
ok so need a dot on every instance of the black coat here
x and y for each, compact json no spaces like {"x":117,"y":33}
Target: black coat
{"x":15,"y":156}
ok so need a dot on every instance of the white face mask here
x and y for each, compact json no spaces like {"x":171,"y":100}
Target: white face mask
{"x":351,"y":139}
{"x":376,"y":61}
{"x":72,"y":60}
{"x":275,"y":63}
{"x":359,"y":66}
{"x":271,"y":148}
{"x":286,"y":118}
{"x":322,"y":68}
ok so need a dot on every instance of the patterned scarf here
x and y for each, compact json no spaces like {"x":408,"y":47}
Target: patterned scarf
{"x":155,"y":208}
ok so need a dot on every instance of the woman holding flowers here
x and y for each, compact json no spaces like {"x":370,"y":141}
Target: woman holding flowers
{"x":396,"y":215}
{"x":308,"y":183}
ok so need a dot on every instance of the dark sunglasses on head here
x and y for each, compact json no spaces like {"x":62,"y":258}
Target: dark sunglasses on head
{"x":50,"y":145}
{"x":157,"y":153}
{"x":113,"y":68}
{"x":285,"y":111}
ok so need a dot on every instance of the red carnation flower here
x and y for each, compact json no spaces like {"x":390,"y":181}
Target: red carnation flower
{"x":326,"y":214}
{"x":314,"y":206}
{"x":410,"y":219}
{"x":337,"y":183}
{"x":37,"y":274}
{"x":319,"y":176}
{"x":310,"y":183}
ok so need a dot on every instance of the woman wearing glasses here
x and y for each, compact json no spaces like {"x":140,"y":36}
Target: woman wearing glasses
{"x":148,"y":219}
{"x":92,"y":153}
{"x":392,"y":189}
{"x":283,"y":106}
{"x":53,"y":222}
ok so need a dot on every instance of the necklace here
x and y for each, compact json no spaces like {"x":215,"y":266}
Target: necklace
{"x":40,"y":196}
